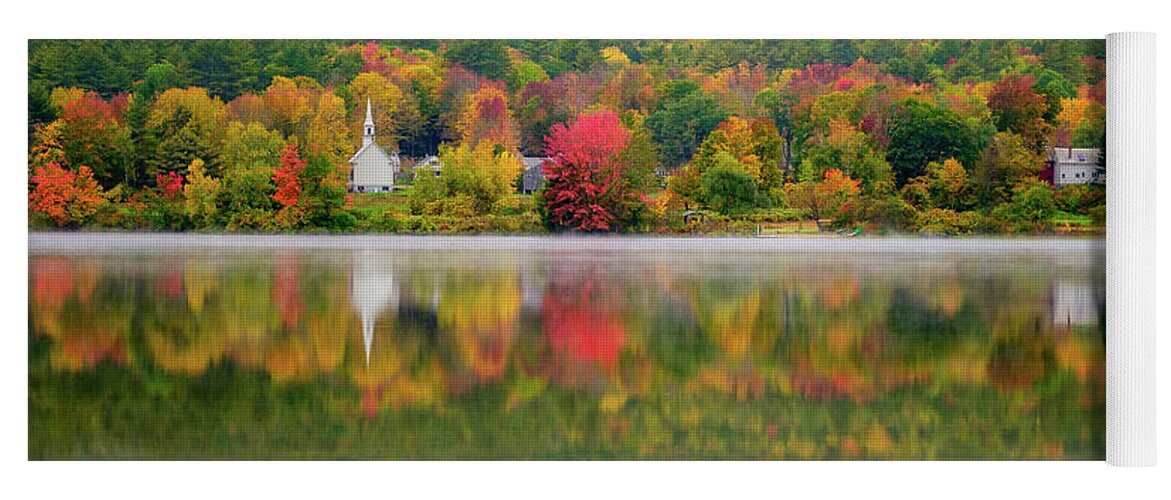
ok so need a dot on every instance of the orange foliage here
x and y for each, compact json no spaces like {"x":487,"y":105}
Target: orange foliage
{"x":486,"y":117}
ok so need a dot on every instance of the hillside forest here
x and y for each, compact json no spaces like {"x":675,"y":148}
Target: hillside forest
{"x":641,"y":136}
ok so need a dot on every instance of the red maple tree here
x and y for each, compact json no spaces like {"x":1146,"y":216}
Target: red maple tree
{"x":584,"y":176}
{"x":288,"y":177}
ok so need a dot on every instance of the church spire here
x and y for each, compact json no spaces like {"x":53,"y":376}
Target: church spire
{"x":368,"y":127}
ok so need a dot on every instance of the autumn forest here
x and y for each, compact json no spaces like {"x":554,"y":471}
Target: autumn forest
{"x":635,"y":136}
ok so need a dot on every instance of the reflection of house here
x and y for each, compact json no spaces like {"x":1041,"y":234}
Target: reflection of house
{"x":1073,"y":303}
{"x":532,"y":286}
{"x":372,"y":290}
{"x":1067,"y":166}
{"x":372,"y":168}
{"x":533,"y":177}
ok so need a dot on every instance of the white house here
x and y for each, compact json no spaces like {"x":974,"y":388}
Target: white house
{"x":1076,"y":166}
{"x":429,"y":164}
{"x":372,"y":168}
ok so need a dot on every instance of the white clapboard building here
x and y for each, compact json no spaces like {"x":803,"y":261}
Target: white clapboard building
{"x":1076,"y":166}
{"x":372,"y":168}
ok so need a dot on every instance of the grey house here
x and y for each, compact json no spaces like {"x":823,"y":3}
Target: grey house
{"x":534,"y":176}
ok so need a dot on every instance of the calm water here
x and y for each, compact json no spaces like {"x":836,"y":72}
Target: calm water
{"x":197,"y":348}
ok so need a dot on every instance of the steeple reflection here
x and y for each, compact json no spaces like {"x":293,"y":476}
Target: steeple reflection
{"x":372,"y":290}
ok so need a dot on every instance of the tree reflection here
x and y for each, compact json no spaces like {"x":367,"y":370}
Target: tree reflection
{"x":609,"y":356}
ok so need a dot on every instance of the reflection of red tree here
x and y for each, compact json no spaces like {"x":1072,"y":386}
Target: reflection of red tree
{"x":286,"y":289}
{"x":582,"y":321}
{"x":170,"y":283}
{"x":52,"y":281}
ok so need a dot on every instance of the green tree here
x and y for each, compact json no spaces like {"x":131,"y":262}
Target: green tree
{"x":728,"y":188}
{"x":1032,"y":208}
{"x":158,"y":78}
{"x":1004,"y":165}
{"x":683,"y":119}
{"x":488,"y":58}
{"x":922,"y":133}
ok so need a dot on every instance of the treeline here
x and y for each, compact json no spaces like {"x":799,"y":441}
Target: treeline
{"x":938,"y":136}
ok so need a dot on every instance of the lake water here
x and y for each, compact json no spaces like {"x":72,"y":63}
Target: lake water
{"x":209,"y":347}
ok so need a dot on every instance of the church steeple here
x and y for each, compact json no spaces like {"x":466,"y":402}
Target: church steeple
{"x":368,"y":127}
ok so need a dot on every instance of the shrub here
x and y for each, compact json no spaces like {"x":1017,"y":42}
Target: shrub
{"x":947,"y":221}
{"x":1031,"y":209}
{"x":1079,"y":198}
{"x":1098,"y":215}
{"x":386,"y":221}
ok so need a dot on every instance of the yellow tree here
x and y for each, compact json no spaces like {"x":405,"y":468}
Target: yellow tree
{"x":385,"y":99}
{"x":208,"y":113}
{"x":483,"y":173}
{"x":329,"y":135}
{"x":289,"y":105}
{"x":200,"y":194}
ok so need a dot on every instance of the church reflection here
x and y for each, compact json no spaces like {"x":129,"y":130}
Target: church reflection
{"x":373,"y":290}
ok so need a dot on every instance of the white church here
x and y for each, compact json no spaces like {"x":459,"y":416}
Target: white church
{"x":372,"y":168}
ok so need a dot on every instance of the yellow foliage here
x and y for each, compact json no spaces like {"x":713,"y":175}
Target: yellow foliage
{"x":614,"y":56}
{"x":207,"y":112}
{"x":482,"y":312}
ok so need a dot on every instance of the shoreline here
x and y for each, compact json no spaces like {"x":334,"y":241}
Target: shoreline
{"x":131,"y":241}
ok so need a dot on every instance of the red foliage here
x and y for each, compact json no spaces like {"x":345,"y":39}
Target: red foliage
{"x":170,"y":184}
{"x":373,"y":60}
{"x":843,"y":83}
{"x":92,"y":111}
{"x":583,"y":176}
{"x":64,"y":196}
{"x":288,"y":177}
{"x":52,"y":281}
{"x":838,"y":182}
{"x":458,"y":83}
{"x":53,"y":189}
{"x":486,"y":117}
{"x":169,"y":283}
{"x":286,"y":289}
{"x":1017,"y":108}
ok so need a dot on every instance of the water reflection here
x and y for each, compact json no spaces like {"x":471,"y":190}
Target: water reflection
{"x":494,"y":354}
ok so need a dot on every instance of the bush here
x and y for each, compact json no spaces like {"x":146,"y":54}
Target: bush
{"x":251,"y":218}
{"x":1031,"y":209}
{"x":1098,"y":215}
{"x":946,"y":221}
{"x":887,"y":211}
{"x":386,"y":221}
{"x":458,"y":206}
{"x":419,"y":224}
{"x":1079,"y":198}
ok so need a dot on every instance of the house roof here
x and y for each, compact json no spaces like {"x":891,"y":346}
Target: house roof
{"x":429,"y":162}
{"x":534,"y":161}
{"x":1076,"y":155}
